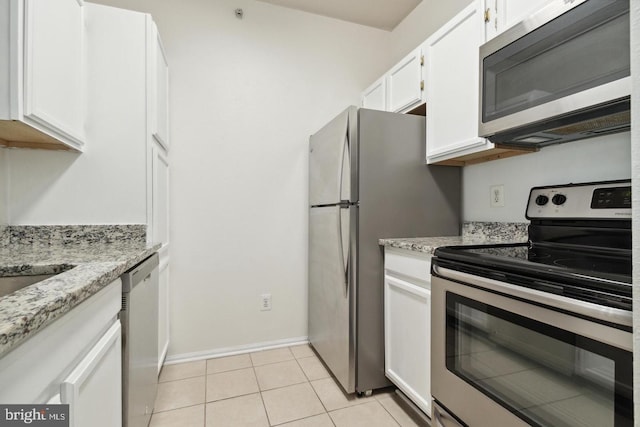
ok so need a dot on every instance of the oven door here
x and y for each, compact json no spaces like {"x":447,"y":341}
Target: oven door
{"x":498,"y":360}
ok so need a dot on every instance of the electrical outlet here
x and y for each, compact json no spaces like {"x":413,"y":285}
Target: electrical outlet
{"x":497,"y":196}
{"x":265,"y":302}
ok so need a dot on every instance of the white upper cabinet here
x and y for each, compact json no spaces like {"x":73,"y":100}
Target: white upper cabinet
{"x":500,"y":15}
{"x":375,"y":96}
{"x":400,"y":89}
{"x":405,"y":82}
{"x":158,"y":81}
{"x":42,"y":80}
{"x":452,"y":86}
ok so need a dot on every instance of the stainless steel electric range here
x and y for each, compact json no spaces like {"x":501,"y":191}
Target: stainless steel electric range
{"x":539,"y":333}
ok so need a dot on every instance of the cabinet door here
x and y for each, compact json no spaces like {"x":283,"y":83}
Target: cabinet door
{"x":163,"y":307}
{"x":375,"y":96}
{"x":452,"y":86}
{"x":160,"y":196}
{"x":501,"y":15}
{"x":404,"y":82}
{"x":93,"y":390}
{"x":161,"y":80}
{"x":407,"y":331}
{"x":54,"y":68}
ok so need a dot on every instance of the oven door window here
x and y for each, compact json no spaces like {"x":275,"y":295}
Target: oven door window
{"x":543,"y":374}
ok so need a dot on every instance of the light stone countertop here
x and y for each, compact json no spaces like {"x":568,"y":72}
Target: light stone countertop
{"x":473,"y":233}
{"x":86,"y":267}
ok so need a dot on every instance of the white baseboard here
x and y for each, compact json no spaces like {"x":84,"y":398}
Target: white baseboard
{"x":232,"y":351}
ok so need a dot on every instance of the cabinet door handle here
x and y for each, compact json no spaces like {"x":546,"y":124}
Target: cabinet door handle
{"x":487,"y":15}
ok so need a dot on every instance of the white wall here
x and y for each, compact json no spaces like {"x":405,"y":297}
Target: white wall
{"x":245,"y":95}
{"x":602,"y":158}
{"x":48,"y":188}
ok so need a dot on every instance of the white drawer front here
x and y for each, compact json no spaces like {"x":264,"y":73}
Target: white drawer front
{"x":415,"y":265}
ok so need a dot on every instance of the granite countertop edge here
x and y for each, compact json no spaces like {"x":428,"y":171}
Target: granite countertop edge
{"x":27,"y":311}
{"x":421,"y":244}
{"x":430,"y":244}
{"x":473,"y":233}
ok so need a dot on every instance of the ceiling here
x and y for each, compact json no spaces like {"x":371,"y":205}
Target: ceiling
{"x":383,"y":14}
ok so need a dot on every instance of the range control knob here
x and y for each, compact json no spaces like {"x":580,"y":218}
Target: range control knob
{"x":559,"y":199}
{"x":542,"y":200}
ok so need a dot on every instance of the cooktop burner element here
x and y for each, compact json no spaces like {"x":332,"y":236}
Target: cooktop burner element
{"x":579,"y":245}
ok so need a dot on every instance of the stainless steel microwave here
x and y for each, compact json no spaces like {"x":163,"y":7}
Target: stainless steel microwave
{"x":560,"y":75}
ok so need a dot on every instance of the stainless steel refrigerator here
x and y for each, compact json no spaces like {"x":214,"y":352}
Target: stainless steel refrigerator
{"x":367,"y":180}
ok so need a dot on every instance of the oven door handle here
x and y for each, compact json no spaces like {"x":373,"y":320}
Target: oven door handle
{"x":595,"y":311}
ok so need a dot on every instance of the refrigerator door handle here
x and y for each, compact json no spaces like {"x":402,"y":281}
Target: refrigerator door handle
{"x":345,"y":170}
{"x":344,"y":240}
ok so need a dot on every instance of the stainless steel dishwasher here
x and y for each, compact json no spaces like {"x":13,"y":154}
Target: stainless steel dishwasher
{"x":139,"y":318}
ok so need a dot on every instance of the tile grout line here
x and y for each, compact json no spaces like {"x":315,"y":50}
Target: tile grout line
{"x":253,"y":367}
{"x":264,"y":407}
{"x":390,"y":414}
{"x":177,"y":409}
{"x":331,"y":377}
{"x":205,"y":393}
{"x":303,"y":371}
{"x":300,"y":419}
{"x":316,"y":393}
{"x":314,"y":390}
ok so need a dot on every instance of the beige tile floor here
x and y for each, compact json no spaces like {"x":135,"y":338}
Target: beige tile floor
{"x":286,"y":387}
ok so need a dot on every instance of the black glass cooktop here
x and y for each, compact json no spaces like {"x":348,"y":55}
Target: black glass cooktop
{"x":599,"y":275}
{"x":595,"y":261}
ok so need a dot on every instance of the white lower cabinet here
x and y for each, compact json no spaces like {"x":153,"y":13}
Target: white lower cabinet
{"x":407,"y":324}
{"x":89,"y":387}
{"x":77,"y":359}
